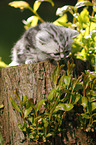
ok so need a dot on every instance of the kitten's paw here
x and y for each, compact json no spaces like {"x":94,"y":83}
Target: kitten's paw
{"x":28,"y":61}
{"x":13,"y":63}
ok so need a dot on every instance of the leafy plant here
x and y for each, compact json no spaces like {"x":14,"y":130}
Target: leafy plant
{"x":33,"y":20}
{"x":43,"y":120}
{"x":1,"y":139}
{"x":2,"y":64}
{"x":86,"y":25}
{"x":82,"y":21}
{"x":88,"y":101}
{"x":1,"y":106}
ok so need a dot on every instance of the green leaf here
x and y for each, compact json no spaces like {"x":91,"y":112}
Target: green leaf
{"x":64,"y":9}
{"x":75,"y":98}
{"x":31,"y":135}
{"x":61,"y":81}
{"x":45,"y":122}
{"x":93,"y":19}
{"x":93,"y":106}
{"x":85,"y":116}
{"x":94,"y":121}
{"x":50,"y":1}
{"x":1,"y":106}
{"x":30,"y":103}
{"x":50,"y":134}
{"x":34,"y":21}
{"x":83,"y":3}
{"x":31,"y":22}
{"x":78,"y":86}
{"x":40,"y":103}
{"x":25,"y":98}
{"x":94,"y":115}
{"x":68,"y":107}
{"x":74,"y":49}
{"x":17,"y":96}
{"x":92,"y":75}
{"x":14,"y":105}
{"x":93,"y":93}
{"x":51,"y":94}
{"x":63,"y":107}
{"x":84,"y":102}
{"x":22,"y":127}
{"x":41,"y":129}
{"x":56,"y":74}
{"x":38,"y":119}
{"x":2,"y":64}
{"x":67,"y":80}
{"x":93,"y":33}
{"x":19,"y":4}
{"x":1,"y":139}
{"x":59,"y":107}
{"x":44,"y":139}
{"x":30,"y":119}
{"x":36,"y":5}
{"x":27,"y":111}
{"x":84,"y":17}
{"x":62,"y":19}
{"x":94,"y":8}
{"x":89,"y":107}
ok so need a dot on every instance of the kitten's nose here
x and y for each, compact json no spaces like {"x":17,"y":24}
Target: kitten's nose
{"x":61,"y":55}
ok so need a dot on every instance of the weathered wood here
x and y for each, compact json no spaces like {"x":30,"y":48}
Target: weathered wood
{"x":34,"y":80}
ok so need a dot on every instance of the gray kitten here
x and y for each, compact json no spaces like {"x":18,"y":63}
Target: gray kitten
{"x":43,"y":42}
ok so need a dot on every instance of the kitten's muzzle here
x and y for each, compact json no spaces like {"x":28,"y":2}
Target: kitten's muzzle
{"x":60,"y":55}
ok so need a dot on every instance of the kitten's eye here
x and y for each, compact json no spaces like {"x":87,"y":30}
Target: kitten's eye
{"x":67,"y":38}
{"x":42,"y":41}
{"x":57,"y":53}
{"x":42,"y":37}
{"x":27,"y":48}
{"x":66,"y":52}
{"x":19,"y":56}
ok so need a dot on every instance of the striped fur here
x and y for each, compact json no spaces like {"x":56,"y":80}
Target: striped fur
{"x":43,"y":42}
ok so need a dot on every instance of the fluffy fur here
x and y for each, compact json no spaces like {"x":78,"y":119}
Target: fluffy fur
{"x":43,"y":42}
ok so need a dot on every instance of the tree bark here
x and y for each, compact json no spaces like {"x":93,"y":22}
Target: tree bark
{"x":34,"y":80}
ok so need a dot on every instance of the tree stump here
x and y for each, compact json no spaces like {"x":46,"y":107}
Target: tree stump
{"x":34,"y":80}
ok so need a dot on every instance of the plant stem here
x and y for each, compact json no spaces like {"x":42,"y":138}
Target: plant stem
{"x":95,"y":62}
{"x":36,"y":14}
{"x":16,"y":94}
{"x":74,"y":19}
{"x":53,"y":108}
{"x":83,"y":90}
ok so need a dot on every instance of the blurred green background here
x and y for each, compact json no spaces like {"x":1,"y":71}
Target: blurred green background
{"x":11,"y":26}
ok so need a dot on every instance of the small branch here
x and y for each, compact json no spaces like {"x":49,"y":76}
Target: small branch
{"x":36,"y":14}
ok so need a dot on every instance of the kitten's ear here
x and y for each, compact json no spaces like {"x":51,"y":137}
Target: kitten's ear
{"x":72,"y":33}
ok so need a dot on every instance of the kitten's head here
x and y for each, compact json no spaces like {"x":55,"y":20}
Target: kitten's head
{"x":55,"y":40}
